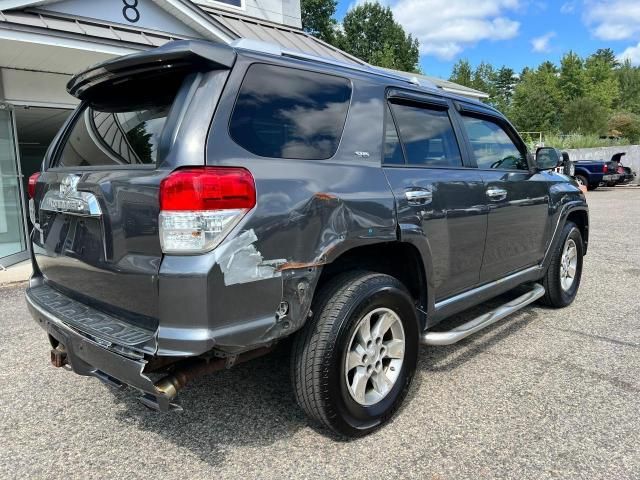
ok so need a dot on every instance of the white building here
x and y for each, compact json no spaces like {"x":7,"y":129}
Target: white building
{"x":44,"y":42}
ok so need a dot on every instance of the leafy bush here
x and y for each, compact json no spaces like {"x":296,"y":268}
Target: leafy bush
{"x":625,"y":125}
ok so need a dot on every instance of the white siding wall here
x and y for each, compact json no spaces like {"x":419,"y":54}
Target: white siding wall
{"x":286,"y":12}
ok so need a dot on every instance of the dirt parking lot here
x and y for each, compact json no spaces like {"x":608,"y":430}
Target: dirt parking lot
{"x":543,"y":394}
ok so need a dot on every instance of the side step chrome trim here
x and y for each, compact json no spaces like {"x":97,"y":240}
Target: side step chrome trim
{"x":489,"y":318}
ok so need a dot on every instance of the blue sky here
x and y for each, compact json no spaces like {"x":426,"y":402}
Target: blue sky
{"x":515,"y":33}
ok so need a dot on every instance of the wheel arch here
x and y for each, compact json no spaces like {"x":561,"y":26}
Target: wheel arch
{"x":581,"y":218}
{"x":398,"y":259}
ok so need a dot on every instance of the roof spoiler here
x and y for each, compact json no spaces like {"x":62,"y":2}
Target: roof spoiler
{"x":173,"y":54}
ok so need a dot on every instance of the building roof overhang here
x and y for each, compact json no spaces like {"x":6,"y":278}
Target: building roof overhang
{"x":23,"y":22}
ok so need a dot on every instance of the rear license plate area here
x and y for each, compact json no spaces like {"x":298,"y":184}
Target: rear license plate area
{"x":74,"y":236}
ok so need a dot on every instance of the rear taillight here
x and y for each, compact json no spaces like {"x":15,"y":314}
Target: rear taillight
{"x":200,"y":206}
{"x":31,"y":186}
{"x":605,"y":168}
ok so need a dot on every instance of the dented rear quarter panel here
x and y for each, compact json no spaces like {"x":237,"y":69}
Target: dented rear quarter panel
{"x":308,"y":213}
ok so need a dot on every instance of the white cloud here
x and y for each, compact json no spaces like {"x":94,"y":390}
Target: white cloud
{"x":445,"y":27}
{"x":541,"y":44}
{"x":632,"y":54}
{"x":613,"y":19}
{"x":568,"y":7}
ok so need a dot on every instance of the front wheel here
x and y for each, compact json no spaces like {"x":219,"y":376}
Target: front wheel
{"x":581,"y":180}
{"x":563,"y":276}
{"x":353,"y":362}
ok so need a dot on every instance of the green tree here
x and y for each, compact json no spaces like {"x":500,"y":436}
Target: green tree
{"x":607,"y":56}
{"x":601,"y":83}
{"x":548,"y":67}
{"x":462,"y":73}
{"x":537,"y":101}
{"x":584,"y":115}
{"x":505,"y":82}
{"x":572,"y":79}
{"x":629,"y":87}
{"x":484,"y":78}
{"x":317,"y":18}
{"x":370,"y":33}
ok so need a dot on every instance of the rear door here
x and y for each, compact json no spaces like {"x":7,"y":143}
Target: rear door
{"x":517,"y":198}
{"x":436,"y":193}
{"x":96,"y":238}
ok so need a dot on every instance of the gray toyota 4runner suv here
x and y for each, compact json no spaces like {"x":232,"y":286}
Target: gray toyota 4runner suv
{"x":205,"y":202}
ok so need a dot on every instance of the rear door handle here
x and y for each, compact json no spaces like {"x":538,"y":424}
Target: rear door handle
{"x":496,"y":194}
{"x":418,"y":197}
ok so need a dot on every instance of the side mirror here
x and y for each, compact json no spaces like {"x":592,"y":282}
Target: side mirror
{"x":547,"y":158}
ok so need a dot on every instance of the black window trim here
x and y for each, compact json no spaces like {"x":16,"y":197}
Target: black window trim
{"x":482,"y":113}
{"x":308,"y":70}
{"x":428,"y":102}
{"x":396,"y":95}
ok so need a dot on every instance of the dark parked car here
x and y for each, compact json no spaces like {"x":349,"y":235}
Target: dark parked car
{"x":625,"y":174}
{"x":205,"y":202}
{"x":591,"y":173}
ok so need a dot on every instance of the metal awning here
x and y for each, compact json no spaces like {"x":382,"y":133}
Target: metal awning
{"x":286,"y":37}
{"x":56,"y":25}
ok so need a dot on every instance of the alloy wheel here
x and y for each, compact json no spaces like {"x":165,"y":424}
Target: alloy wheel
{"x":568,"y":264}
{"x":374,"y":359}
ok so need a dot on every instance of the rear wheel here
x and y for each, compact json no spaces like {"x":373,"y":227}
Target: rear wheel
{"x":563,"y":276}
{"x":353,"y":362}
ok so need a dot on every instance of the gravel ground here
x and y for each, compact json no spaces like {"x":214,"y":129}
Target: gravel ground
{"x":543,"y":394}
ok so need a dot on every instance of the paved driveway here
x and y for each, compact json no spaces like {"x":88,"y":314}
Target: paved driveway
{"x":543,"y":394}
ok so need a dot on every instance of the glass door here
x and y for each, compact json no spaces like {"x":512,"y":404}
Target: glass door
{"x":13,"y":244}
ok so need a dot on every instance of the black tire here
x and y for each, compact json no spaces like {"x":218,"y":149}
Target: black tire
{"x":555,"y":296}
{"x":320,"y":349}
{"x":582,"y":180}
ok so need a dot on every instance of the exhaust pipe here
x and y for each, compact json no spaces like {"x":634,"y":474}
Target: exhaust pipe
{"x":170,"y":385}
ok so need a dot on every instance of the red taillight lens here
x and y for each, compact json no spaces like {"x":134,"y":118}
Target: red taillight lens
{"x":199,"y":207}
{"x":605,"y":168}
{"x":208,"y":188}
{"x":31,"y":186}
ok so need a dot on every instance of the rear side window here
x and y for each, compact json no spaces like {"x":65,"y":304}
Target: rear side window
{"x":289,"y":113}
{"x":124,"y":126}
{"x":427,"y":136}
{"x":392,"y":150}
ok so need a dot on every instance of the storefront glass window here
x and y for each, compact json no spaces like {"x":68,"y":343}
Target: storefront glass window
{"x":12,"y":236}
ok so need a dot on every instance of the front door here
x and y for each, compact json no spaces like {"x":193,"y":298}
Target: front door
{"x":518,"y":200}
{"x":436,"y":194}
{"x":13,"y":245}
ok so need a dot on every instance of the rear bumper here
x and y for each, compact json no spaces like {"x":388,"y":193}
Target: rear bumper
{"x":93,"y":356}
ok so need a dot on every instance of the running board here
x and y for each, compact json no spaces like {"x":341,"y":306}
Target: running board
{"x":483,"y":321}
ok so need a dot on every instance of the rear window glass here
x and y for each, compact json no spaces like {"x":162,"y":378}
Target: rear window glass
{"x":289,"y":113}
{"x":124,"y":129}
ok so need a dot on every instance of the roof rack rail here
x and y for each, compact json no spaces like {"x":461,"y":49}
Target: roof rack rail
{"x":273,"y":49}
